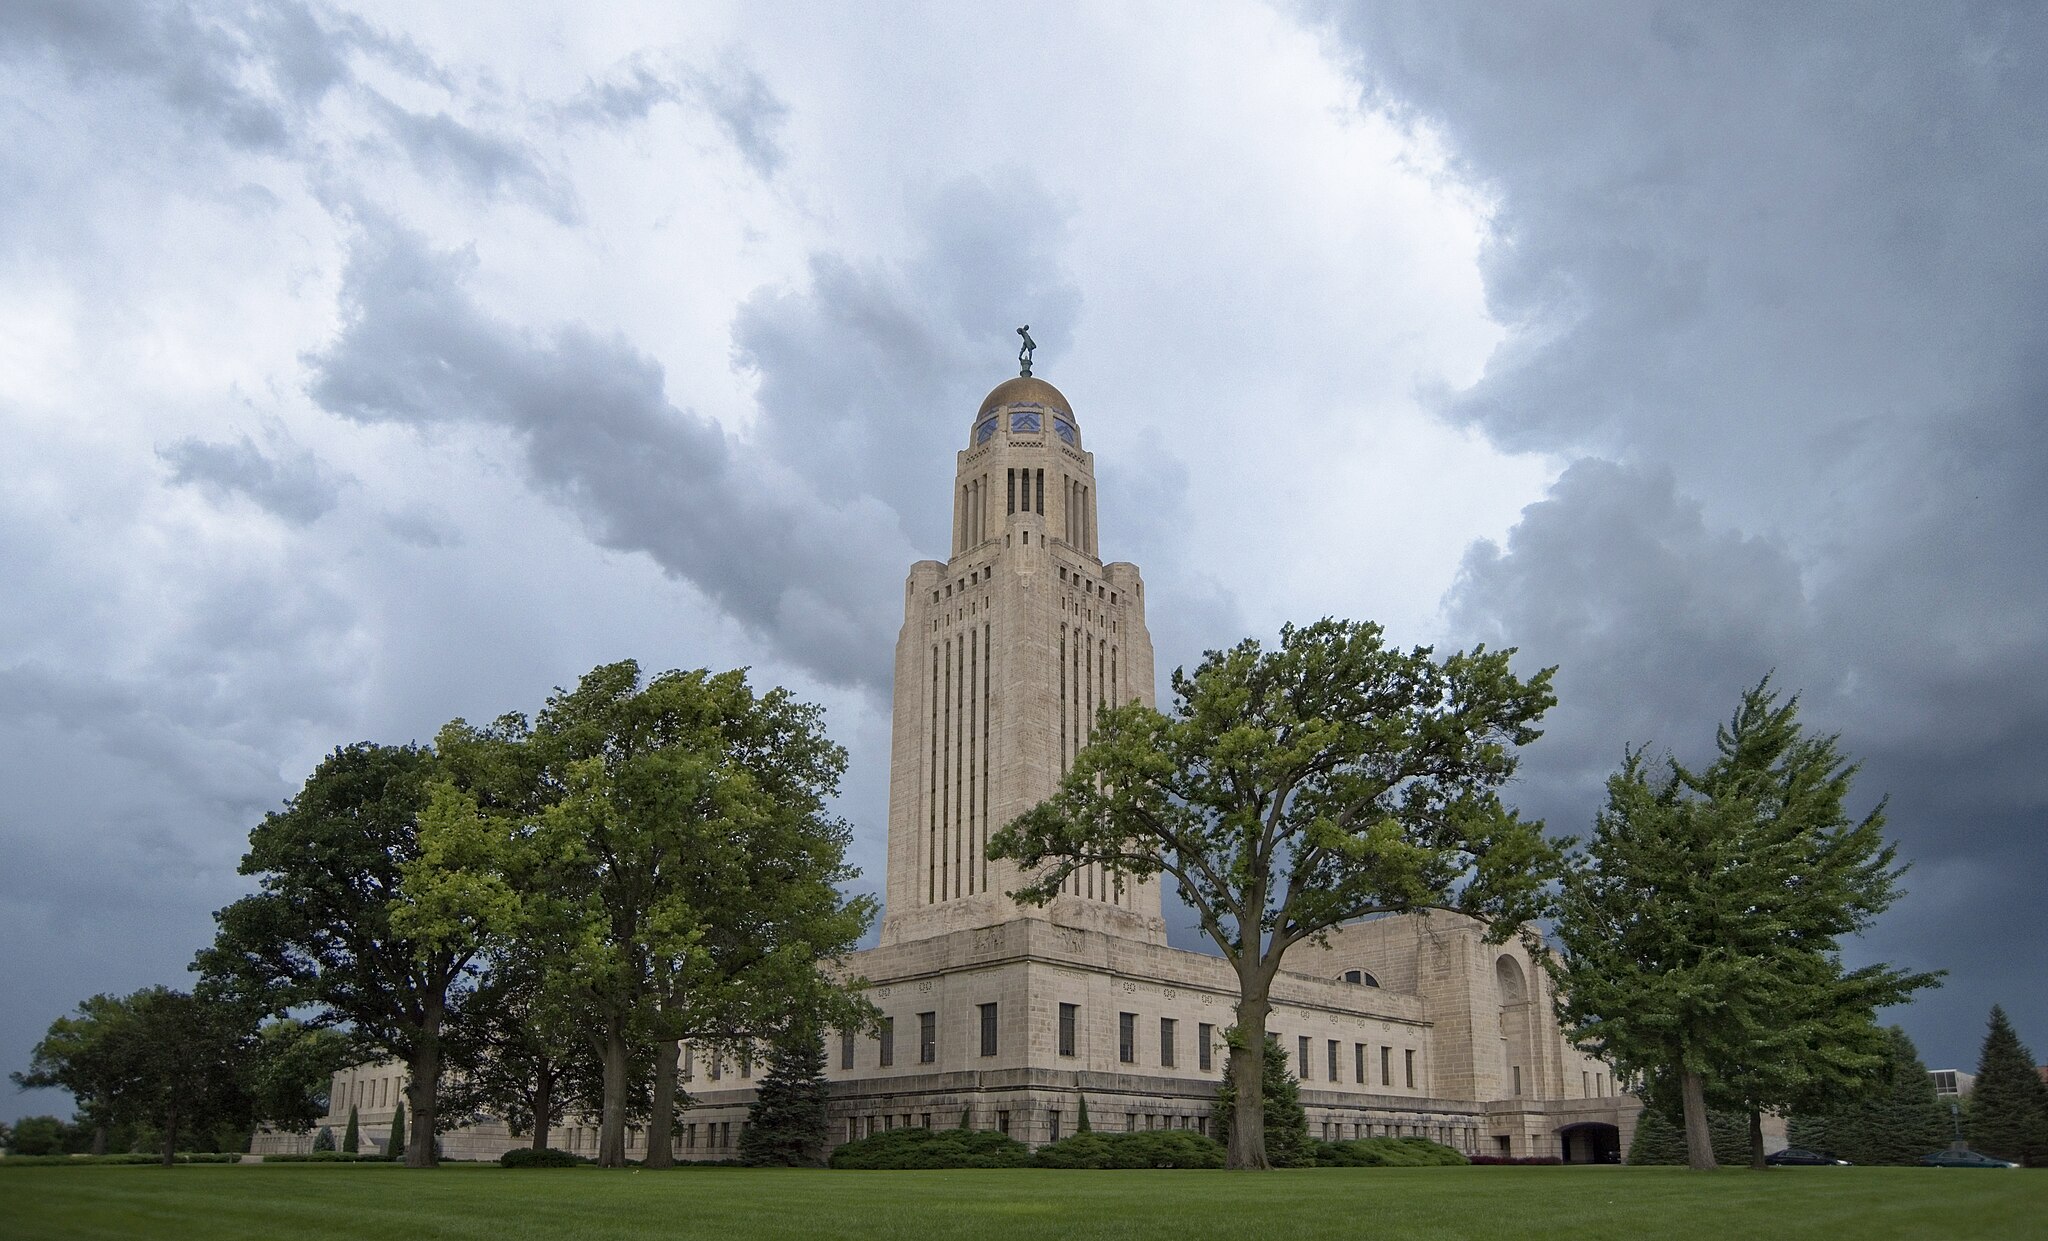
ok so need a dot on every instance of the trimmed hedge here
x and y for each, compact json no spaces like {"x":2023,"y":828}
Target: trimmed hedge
{"x":527,"y":1157}
{"x":325,"y":1157}
{"x":1386,"y":1153}
{"x":1516,"y":1161}
{"x":1153,"y":1148}
{"x":46,"y":1161}
{"x":933,"y":1148}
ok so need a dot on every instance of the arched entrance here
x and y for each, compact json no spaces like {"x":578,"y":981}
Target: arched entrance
{"x":1590,"y":1142}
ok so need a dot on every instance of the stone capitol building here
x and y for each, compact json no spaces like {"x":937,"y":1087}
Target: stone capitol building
{"x":1400,"y":1026}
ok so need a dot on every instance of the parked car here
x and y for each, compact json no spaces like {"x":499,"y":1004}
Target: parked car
{"x":1964,"y":1159}
{"x":1800,"y":1157}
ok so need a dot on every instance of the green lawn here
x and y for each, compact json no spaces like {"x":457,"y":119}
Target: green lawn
{"x":305,"y":1203}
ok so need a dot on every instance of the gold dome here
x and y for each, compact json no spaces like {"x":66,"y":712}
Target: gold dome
{"x":1025,"y":388}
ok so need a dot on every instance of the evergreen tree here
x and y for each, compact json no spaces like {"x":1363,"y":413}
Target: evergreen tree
{"x":1286,"y":1121}
{"x":2008,"y":1105}
{"x":1081,"y":1125}
{"x":1699,"y":931}
{"x":1894,"y":1119}
{"x":786,"y":1122}
{"x":323,"y":1140}
{"x":1660,"y":1138}
{"x":351,"y":1140}
{"x":395,"y":1148}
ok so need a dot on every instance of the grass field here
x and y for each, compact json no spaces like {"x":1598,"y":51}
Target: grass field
{"x":308,"y":1203}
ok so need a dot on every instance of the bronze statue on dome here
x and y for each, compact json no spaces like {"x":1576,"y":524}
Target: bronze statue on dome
{"x":1024,"y":354}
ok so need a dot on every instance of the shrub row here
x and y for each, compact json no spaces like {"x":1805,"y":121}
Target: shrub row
{"x":37,"y":1161}
{"x":326,"y":1157}
{"x":933,"y":1148}
{"x":1385,"y":1153}
{"x":1517,"y":1161}
{"x":527,"y":1157}
{"x":1154,"y":1148}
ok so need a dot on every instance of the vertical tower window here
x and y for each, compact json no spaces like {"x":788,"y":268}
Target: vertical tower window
{"x":1333,"y":1061}
{"x":1386,"y":1066}
{"x":927,"y":1037}
{"x":1307,"y":1068}
{"x":885,"y":1041}
{"x":846,"y":1049}
{"x":1358,"y":1063}
{"x":1013,"y":490}
{"x":1040,"y":510}
{"x":1410,"y":1055}
{"x":1205,"y":1056}
{"x":1069,"y":1018}
{"x":1127,"y":1037}
{"x":988,"y":1029}
{"x":1166,"y":1041}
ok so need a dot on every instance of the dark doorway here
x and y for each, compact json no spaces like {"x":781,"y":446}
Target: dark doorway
{"x":1591,"y":1142}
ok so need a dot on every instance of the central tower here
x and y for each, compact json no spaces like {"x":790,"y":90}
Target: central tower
{"x":1007,"y":649}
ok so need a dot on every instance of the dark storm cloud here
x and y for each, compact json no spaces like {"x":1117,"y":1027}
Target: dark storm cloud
{"x":292,"y":485}
{"x":749,"y":113}
{"x":239,"y":70}
{"x":624,"y":97}
{"x":598,"y":431}
{"x":1780,"y":265}
{"x":491,"y":165}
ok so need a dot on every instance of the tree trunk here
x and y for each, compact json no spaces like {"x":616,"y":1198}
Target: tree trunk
{"x":1699,"y":1139}
{"x":543,"y":1105}
{"x":661,"y":1127}
{"x":1247,"y":1136}
{"x":611,"y":1137}
{"x":423,"y":1084}
{"x":170,"y":1151}
{"x":99,"y":1139}
{"x":1756,"y":1139}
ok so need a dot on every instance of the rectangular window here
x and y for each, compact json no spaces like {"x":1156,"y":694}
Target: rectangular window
{"x":1130,"y":1122}
{"x":1166,"y":1041}
{"x":1599,"y":1085}
{"x":1386,"y":1066}
{"x":846,"y":1049}
{"x":1002,"y":1122}
{"x":1585,"y":1085}
{"x":1205,"y":1034}
{"x":1069,"y":1017}
{"x":927,"y":1037}
{"x":885,"y":1039}
{"x":1301,"y":1058}
{"x":988,"y":1029}
{"x":1052,"y":1120}
{"x":1127,"y":1037}
{"x":1358,"y":1063}
{"x":689,"y":1137}
{"x":924,"y":1120}
{"x":1518,"y":1079}
{"x":1410,"y":1055}
{"x":717,"y":1066}
{"x":746,"y":1062}
{"x":1333,"y":1061}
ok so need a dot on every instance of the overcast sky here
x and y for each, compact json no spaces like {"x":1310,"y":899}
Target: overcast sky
{"x":368,"y":365}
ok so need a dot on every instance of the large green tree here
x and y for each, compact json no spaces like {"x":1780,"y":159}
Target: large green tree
{"x":685,"y":872}
{"x":1295,"y":789}
{"x":376,"y":892}
{"x":527,"y":1059}
{"x":1893,"y":1118}
{"x":2008,"y":1105}
{"x":75,"y":1055}
{"x":1699,"y":929}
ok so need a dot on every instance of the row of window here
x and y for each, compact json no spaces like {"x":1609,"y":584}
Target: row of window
{"x":1169,"y":1050}
{"x":1360,"y":1062}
